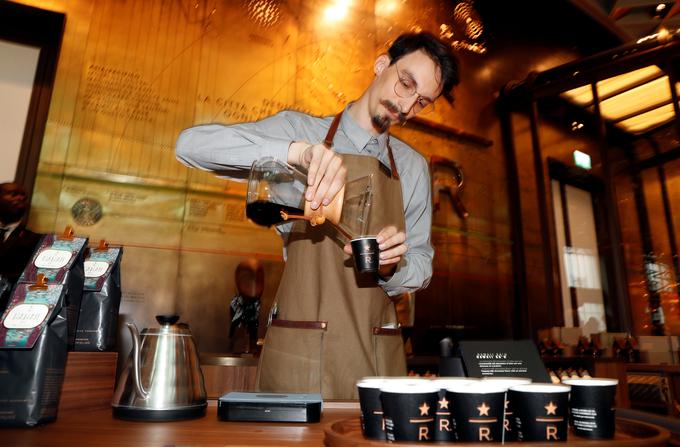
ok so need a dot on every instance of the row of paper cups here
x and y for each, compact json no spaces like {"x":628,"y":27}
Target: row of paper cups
{"x":498,"y":409}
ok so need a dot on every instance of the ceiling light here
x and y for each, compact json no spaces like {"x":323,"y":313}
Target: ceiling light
{"x":649,"y":120}
{"x":637,"y":98}
{"x":386,"y":7}
{"x":637,"y":101}
{"x":337,"y":11}
{"x":610,"y":86}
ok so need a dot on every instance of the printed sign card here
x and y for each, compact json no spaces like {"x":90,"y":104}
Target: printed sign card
{"x":503,"y":358}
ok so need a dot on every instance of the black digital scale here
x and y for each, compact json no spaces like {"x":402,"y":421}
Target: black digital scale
{"x":269,"y":407}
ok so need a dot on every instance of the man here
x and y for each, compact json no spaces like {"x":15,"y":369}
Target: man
{"x":335,"y":325}
{"x":17,"y":243}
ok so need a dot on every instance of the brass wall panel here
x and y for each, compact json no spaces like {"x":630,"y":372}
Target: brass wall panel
{"x":133,"y":74}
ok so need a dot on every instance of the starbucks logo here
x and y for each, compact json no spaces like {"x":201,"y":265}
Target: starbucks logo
{"x":87,"y":211}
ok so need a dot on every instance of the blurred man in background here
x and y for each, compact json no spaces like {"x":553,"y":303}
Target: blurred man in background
{"x":17,"y":243}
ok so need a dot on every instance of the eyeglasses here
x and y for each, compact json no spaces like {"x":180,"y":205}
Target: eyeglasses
{"x":405,"y":87}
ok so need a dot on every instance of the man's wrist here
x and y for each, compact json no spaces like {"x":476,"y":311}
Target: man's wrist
{"x":295,"y":151}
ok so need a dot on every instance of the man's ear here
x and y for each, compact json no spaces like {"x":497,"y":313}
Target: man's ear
{"x":381,"y":64}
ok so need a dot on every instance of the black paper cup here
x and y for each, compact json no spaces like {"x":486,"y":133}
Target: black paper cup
{"x":540,"y":411}
{"x":510,"y":435}
{"x":444,"y":430}
{"x":366,"y":254}
{"x":409,"y":410}
{"x":372,"y":422}
{"x":591,"y":407}
{"x":477,"y":411}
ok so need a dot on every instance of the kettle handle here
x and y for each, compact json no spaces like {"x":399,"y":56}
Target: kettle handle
{"x":139,"y":388}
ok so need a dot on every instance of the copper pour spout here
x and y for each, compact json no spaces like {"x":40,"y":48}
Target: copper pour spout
{"x":313,"y":220}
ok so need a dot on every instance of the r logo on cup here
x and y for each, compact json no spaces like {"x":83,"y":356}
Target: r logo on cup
{"x":540,"y":411}
{"x":477,"y":413}
{"x":445,"y":430}
{"x":365,"y":250}
{"x":510,"y":433}
{"x":409,"y":409}
{"x":372,"y":422}
{"x":551,"y":428}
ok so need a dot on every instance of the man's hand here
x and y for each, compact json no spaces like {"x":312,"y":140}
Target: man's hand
{"x":392,"y":248}
{"x":326,"y":174}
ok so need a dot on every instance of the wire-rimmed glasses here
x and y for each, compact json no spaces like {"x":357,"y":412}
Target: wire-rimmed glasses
{"x":405,"y":87}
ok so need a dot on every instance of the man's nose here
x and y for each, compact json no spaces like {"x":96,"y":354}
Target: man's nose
{"x":408,"y":104}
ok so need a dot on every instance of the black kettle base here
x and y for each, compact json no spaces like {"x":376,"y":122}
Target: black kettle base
{"x":176,"y":414}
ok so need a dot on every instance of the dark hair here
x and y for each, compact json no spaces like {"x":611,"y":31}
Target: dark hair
{"x":439,"y":51}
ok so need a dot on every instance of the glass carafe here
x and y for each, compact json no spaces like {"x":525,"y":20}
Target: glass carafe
{"x":276,"y":194}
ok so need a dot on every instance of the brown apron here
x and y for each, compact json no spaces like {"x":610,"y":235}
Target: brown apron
{"x":329,"y":331}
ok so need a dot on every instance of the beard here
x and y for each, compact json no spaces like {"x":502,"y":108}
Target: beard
{"x":382,"y":122}
{"x":10,"y":215}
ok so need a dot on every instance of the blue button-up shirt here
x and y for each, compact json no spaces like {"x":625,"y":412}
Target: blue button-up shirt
{"x":229,"y":151}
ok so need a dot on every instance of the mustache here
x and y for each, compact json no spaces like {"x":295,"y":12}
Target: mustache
{"x":392,"y":108}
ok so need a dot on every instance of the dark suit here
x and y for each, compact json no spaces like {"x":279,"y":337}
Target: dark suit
{"x":15,"y":254}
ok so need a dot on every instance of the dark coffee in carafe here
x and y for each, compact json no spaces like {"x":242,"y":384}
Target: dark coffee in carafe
{"x":269,"y":213}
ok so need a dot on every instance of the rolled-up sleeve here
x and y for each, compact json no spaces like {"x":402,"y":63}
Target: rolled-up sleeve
{"x":229,"y":151}
{"x":415,"y":269}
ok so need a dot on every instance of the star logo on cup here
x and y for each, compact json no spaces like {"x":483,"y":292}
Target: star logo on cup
{"x":443,"y":404}
{"x":483,"y":409}
{"x":424,"y":409}
{"x":551,"y":408}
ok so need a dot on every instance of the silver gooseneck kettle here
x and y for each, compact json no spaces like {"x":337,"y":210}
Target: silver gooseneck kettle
{"x":162,"y":380}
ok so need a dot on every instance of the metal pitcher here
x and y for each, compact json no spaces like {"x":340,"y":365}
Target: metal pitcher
{"x":162,"y":380}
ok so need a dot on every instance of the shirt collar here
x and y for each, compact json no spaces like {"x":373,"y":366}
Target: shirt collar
{"x":360,"y":137}
{"x":9,"y":228}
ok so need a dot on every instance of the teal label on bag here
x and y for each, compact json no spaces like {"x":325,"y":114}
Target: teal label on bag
{"x":98,"y":266}
{"x":27,"y":315}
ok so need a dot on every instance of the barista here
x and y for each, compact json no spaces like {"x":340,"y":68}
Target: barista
{"x":17,"y":243}
{"x":335,"y":325}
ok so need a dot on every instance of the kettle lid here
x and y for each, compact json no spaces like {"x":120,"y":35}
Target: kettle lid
{"x":169,"y":326}
{"x":164,"y":320}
